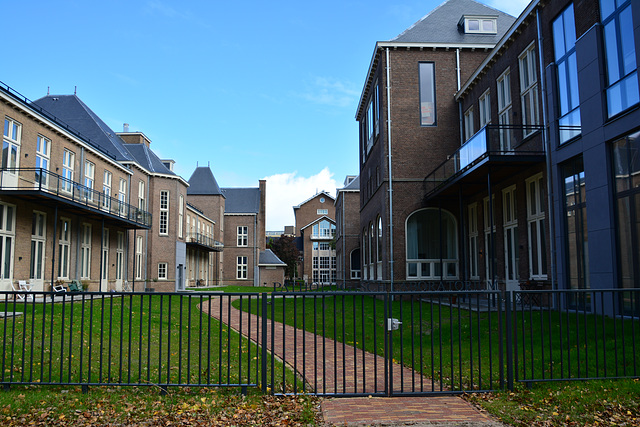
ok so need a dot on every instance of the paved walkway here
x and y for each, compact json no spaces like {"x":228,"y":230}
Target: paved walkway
{"x":332,"y":367}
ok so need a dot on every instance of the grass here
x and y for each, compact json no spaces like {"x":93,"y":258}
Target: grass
{"x":151,"y":340}
{"x":465,"y":349}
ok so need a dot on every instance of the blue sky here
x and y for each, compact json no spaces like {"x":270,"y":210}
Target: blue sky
{"x":256,"y":89}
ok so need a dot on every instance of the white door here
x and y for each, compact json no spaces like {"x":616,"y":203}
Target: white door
{"x":104,"y":280}
{"x":119,"y":261}
{"x":38,"y":243}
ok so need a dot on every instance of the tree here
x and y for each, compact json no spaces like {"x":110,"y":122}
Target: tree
{"x":285,"y":249}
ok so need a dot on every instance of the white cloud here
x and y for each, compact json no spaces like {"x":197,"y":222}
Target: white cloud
{"x":512,"y":7}
{"x":286,"y":190}
{"x":331,"y":92}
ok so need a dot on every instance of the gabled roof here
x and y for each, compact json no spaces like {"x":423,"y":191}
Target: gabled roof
{"x":353,"y":185}
{"x":75,"y":113}
{"x":241,"y":200}
{"x":202,"y":182}
{"x":332,"y":221}
{"x":146,"y":158}
{"x":440,"y":25}
{"x":313,"y":197}
{"x":267,"y":257}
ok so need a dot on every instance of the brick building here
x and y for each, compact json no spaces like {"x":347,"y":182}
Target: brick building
{"x":409,"y":124}
{"x":347,"y":207}
{"x":315,"y":226}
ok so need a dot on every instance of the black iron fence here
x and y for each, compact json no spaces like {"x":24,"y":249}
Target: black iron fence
{"x":327,"y":343}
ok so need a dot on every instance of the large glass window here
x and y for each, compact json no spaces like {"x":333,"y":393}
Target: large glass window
{"x":241,"y":271}
{"x":427,"y":94}
{"x":432,"y":245}
{"x":85,"y":252}
{"x":564,"y":42}
{"x":473,"y":241}
{"x":575,"y":211}
{"x":622,"y":75}
{"x":469,"y":128}
{"x":484,"y":110}
{"x":243,"y":236}
{"x":38,"y":244}
{"x":106,"y":190}
{"x":89,"y":178}
{"x":536,"y":228}
{"x":7,"y":242}
{"x":43,"y":148}
{"x":68,"y":161}
{"x":529,"y":89}
{"x":164,"y":212}
{"x":11,"y":143}
{"x":139,"y":257}
{"x":64,"y":248}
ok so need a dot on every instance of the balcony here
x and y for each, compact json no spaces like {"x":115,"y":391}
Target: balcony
{"x":504,"y":149}
{"x":323,"y":234}
{"x":204,"y":242}
{"x":44,"y":186}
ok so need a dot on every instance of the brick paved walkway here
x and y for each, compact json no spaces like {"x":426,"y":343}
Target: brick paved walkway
{"x":332,"y":367}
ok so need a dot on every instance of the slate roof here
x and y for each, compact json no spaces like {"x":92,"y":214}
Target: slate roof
{"x":440,"y":25}
{"x":353,"y":185}
{"x":267,"y":257}
{"x":202,"y":182}
{"x":313,"y":197}
{"x":72,"y":111}
{"x":241,"y":200}
{"x":147,"y":159}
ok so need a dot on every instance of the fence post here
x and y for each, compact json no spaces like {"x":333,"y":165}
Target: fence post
{"x":263,"y":367}
{"x":509,"y":343}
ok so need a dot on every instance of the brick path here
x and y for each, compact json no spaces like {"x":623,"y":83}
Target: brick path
{"x":332,"y":367}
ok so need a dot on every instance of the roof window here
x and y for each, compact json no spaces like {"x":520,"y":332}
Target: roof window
{"x":474,"y":24}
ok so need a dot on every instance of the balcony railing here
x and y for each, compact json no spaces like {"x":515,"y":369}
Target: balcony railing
{"x":491,"y":140}
{"x":204,"y":240}
{"x":48,"y":183}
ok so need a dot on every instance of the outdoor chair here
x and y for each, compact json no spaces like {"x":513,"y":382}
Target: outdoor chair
{"x":75,"y":286}
{"x":21,"y":297}
{"x":59,"y":288}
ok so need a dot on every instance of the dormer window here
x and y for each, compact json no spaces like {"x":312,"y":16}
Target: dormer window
{"x":479,"y":24}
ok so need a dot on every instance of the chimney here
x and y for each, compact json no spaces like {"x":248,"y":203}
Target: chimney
{"x":125,"y":127}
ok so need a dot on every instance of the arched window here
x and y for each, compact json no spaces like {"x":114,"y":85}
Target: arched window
{"x":371,"y":255}
{"x":432,"y":245}
{"x":364,"y":253}
{"x":379,"y":247}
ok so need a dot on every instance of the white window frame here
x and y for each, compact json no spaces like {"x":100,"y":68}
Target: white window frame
{"x":106,"y":189}
{"x":163,"y":228}
{"x":474,"y":273}
{"x":120,"y":255}
{"x":322,"y":211}
{"x":7,"y":242}
{"x":64,"y":248}
{"x":104,"y":275}
{"x":536,"y":227}
{"x":85,"y":251}
{"x":243,"y":236}
{"x":142,"y":199}
{"x":180,"y":216}
{"x":529,"y":89}
{"x":484,"y":108}
{"x":11,"y":143}
{"x":469,"y":128}
{"x":122,"y":196}
{"x":68,"y":167}
{"x":487,"y":220}
{"x":242,"y":267}
{"x":139,"y":256}
{"x":481,"y":21}
{"x":163,"y":269}
{"x":89,"y":178}
{"x":38,"y":245}
{"x":43,"y":155}
{"x":510,"y":227}
{"x":503,"y":84}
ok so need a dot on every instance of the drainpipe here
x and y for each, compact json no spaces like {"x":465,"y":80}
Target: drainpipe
{"x":547,"y":146}
{"x":458,"y":66}
{"x":391,"y":257}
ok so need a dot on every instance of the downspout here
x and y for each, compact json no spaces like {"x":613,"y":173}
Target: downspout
{"x":256,"y":268}
{"x":458,"y":67}
{"x":547,"y":145}
{"x":459,"y":103}
{"x":344,"y":248}
{"x":390,"y":174}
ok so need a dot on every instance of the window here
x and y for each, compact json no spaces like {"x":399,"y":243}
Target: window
{"x":11,"y":144}
{"x":484,"y":112}
{"x":43,"y":147}
{"x":622,"y":75}
{"x":427,"y":94}
{"x":241,"y":267}
{"x":536,"y":228}
{"x":473,"y":241}
{"x":106,"y":189}
{"x":38,"y":243}
{"x":489,"y":214}
{"x":564,"y":42}
{"x":626,"y":169}
{"x":89,"y":177}
{"x":138,"y":260}
{"x":64,"y":248}
{"x":243,"y":236}
{"x":7,"y":241}
{"x":468,"y":124}
{"x":529,"y":89}
{"x":510,"y":228}
{"x":122,"y":196}
{"x":142,"y":202}
{"x":120,"y":256}
{"x":180,"y":215}
{"x":370,"y":123}
{"x":68,"y":160}
{"x":479,"y":24}
{"x":379,"y":248}
{"x":371,"y":246}
{"x":504,"y":110}
{"x":104,"y":277}
{"x":323,"y":211}
{"x":431,"y":244}
{"x":314,"y":262}
{"x":162,"y":271}
{"x":324,"y":246}
{"x":164,"y":213}
{"x":575,"y":210}
{"x":85,"y":251}
{"x":323,"y":229}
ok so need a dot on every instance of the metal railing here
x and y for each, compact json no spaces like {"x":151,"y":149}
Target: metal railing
{"x":51,"y":184}
{"x":490,"y":140}
{"x":205,"y":240}
{"x":327,"y":343}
